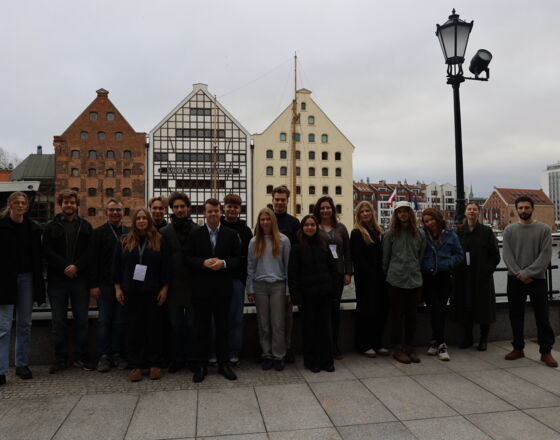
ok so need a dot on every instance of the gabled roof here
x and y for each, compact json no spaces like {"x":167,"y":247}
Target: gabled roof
{"x":364,"y":187}
{"x":510,"y":194}
{"x":35,"y":167}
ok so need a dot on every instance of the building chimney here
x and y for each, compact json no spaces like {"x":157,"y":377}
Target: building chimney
{"x":102,"y":92}
{"x":367,"y":180}
{"x":39,"y":149}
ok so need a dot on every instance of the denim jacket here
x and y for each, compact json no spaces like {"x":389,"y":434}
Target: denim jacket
{"x":442,"y":255}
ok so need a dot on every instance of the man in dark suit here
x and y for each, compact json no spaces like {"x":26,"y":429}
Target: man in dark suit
{"x":214,"y":255}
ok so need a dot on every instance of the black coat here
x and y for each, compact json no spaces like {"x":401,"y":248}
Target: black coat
{"x":207,"y":282}
{"x":104,"y":241}
{"x":311,"y":272}
{"x":474,"y":284}
{"x":54,"y":247}
{"x":367,"y":259}
{"x":180,"y":286}
{"x":288,"y":225}
{"x":8,"y":268}
{"x":245,"y":235}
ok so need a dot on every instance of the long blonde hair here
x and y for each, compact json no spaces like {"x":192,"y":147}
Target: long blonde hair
{"x":11,"y":198}
{"x":132,"y":239}
{"x":260,"y":242}
{"x":362,"y":227}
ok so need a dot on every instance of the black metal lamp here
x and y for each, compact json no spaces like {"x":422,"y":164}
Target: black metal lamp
{"x":479,"y":63}
{"x":453,"y":37}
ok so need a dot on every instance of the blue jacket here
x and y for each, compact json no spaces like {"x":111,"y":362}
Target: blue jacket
{"x":443,"y":255}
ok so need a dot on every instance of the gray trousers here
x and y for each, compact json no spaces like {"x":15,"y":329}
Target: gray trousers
{"x":270,"y":299}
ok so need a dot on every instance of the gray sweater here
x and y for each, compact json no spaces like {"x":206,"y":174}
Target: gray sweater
{"x":268,"y":268}
{"x":527,"y":249}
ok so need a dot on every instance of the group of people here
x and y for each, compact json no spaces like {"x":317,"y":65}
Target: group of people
{"x":172,"y":294}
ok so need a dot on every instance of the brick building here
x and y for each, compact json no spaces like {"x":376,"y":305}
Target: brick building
{"x":499,"y":208}
{"x":101,"y":156}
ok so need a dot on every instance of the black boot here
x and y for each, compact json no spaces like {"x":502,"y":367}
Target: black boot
{"x":483,"y":344}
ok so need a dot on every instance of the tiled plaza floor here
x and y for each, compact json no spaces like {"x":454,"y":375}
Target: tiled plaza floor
{"x":475,"y":396}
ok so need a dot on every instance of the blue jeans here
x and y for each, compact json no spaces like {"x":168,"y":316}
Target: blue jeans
{"x":236,"y":319}
{"x":110,"y":330}
{"x":24,"y":309}
{"x":60,"y":291}
{"x":181,"y":324}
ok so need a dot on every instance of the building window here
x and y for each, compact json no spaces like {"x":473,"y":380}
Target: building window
{"x":269,"y":171}
{"x":325,"y":172}
{"x":283,"y":137}
{"x":298,"y":171}
{"x":75,"y":172}
{"x":93,"y":116}
{"x":339,"y":209}
{"x":311,"y":172}
{"x":101,"y":135}
{"x":311,"y":137}
{"x":303,"y":106}
{"x":338,"y":156}
{"x":110,"y":172}
{"x":127,"y":212}
{"x":127,"y":172}
{"x":110,"y":154}
{"x":91,"y":192}
{"x":110,"y":116}
{"x":161,"y":157}
{"x":338,"y":172}
{"x":283,"y":154}
{"x":269,"y":154}
{"x":127,"y":154}
{"x":298,"y":209}
{"x":126,"y":192}
{"x":200,"y":133}
{"x":269,"y":189}
{"x":324,"y":138}
{"x":324,"y":155}
{"x":311,"y":155}
{"x":91,"y":212}
{"x":92,"y":154}
{"x":109,"y":192}
{"x":84,"y":135}
{"x":297,"y":137}
{"x":283,"y":171}
{"x":311,"y":208}
{"x":160,"y":183}
{"x":311,"y":120}
{"x":91,"y":172}
{"x":75,"y":189}
{"x":298,"y":189}
{"x":118,"y":136}
{"x":338,"y":191}
{"x":75,"y":154}
{"x":298,"y":155}
{"x":312,"y":189}
{"x":325,"y":190}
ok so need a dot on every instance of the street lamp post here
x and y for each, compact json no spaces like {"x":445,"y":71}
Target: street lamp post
{"x":453,"y":37}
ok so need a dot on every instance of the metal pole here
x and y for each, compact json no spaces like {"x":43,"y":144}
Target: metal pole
{"x":455,"y":82}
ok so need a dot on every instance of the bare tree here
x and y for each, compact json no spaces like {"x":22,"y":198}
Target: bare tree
{"x":8,"y":160}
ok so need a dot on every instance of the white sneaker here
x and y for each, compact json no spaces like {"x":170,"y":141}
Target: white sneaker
{"x":382,"y":351}
{"x":370,"y":353}
{"x":442,"y":353}
{"x":432,"y":349}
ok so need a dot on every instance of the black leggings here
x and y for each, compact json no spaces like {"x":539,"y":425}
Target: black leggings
{"x":437,"y":290}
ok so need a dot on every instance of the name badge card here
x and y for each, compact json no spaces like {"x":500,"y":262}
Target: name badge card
{"x":140,"y":272}
{"x":332,"y":247}
{"x":468,"y":258}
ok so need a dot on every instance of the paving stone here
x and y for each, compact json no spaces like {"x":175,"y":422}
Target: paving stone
{"x":340,"y":373}
{"x":32,"y":419}
{"x":512,"y":425}
{"x":462,"y":361}
{"x":170,"y":414}
{"x":306,"y":434}
{"x":549,"y":416}
{"x":236,"y":437}
{"x":406,"y":399}
{"x":102,"y":416}
{"x":289,"y":407}
{"x":541,"y":375}
{"x":228,"y":411}
{"x":456,"y":428}
{"x":363,"y":367}
{"x":384,"y":431}
{"x":350,"y":403}
{"x":495,"y":356}
{"x":513,"y":389}
{"x":461,"y":394}
{"x":428,"y":365}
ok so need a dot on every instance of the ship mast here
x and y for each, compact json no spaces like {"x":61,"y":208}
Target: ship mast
{"x":295,"y":117}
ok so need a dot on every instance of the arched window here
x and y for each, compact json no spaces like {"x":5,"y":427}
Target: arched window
{"x":91,"y":212}
{"x":74,"y":154}
{"x":127,"y":154}
{"x":283,"y":154}
{"x":269,"y":171}
{"x":298,"y":155}
{"x":298,"y":171}
{"x":93,"y":116}
{"x":303,"y":106}
{"x":311,"y":120}
{"x":338,"y":155}
{"x":311,"y":208}
{"x":324,"y":155}
{"x":311,"y":137}
{"x":109,"y":192}
{"x":127,"y":172}
{"x":269,"y":189}
{"x":101,"y":135}
{"x":283,"y":171}
{"x":84,"y":135}
{"x":110,"y":154}
{"x":325,"y":172}
{"x":118,"y":136}
{"x":311,"y":172}
{"x":283,"y":137}
{"x":298,"y":189}
{"x":91,"y":172}
{"x":312,"y":189}
{"x":311,"y":155}
{"x":110,"y":116}
{"x":126,"y":212}
{"x":338,"y":172}
{"x":324,"y":138}
{"x":338,"y":190}
{"x":110,"y":172}
{"x":126,"y":192}
{"x":325,"y":190}
{"x":91,"y":192}
{"x":339,"y":209}
{"x":269,"y":154}
{"x":75,"y":172}
{"x":92,"y":154}
{"x":298,"y":209}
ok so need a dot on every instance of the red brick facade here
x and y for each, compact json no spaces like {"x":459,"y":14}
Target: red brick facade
{"x":101,"y":156}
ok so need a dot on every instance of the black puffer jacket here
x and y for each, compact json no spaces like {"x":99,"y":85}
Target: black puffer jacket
{"x":311,"y":272}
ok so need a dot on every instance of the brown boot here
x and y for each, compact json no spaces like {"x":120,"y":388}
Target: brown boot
{"x":401,"y":356}
{"x":549,"y":360}
{"x":514,"y":354}
{"x":155,"y":373}
{"x":412,"y":355}
{"x":135,"y":375}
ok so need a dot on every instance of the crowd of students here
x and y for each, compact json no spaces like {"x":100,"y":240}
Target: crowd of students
{"x":172,"y":294}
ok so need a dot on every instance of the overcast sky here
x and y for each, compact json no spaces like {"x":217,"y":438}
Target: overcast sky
{"x":375,"y":67}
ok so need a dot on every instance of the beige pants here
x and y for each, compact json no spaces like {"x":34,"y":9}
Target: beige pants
{"x":270,"y":299}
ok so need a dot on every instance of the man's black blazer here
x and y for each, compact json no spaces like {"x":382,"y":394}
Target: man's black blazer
{"x":207,"y":282}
